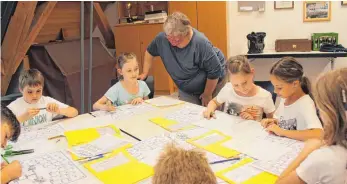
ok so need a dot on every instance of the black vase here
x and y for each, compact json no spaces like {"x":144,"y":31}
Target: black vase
{"x":256,"y":42}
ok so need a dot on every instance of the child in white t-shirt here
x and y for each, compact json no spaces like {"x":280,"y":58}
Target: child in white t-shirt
{"x":241,"y":96}
{"x":296,"y":116}
{"x":33,"y":108}
{"x":325,"y":162}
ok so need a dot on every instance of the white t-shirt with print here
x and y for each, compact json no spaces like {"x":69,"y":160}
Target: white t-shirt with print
{"x":235,"y":103}
{"x":327,"y":165}
{"x":19,"y":107}
{"x":301,"y":115}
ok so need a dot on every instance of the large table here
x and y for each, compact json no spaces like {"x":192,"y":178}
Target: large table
{"x":133,"y":129}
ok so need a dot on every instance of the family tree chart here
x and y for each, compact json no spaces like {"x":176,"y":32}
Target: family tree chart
{"x":50,"y":168}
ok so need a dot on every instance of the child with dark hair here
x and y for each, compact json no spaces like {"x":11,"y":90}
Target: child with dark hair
{"x":325,"y":161}
{"x":10,"y":130}
{"x":128,"y":90}
{"x":296,"y":116}
{"x":34,"y":108}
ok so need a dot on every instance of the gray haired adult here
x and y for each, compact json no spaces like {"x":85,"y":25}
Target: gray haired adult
{"x":194,"y":64}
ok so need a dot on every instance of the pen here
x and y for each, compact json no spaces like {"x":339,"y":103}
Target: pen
{"x":5,"y":159}
{"x":227,"y":160}
{"x":9,"y":153}
{"x":88,"y":159}
{"x":43,"y":108}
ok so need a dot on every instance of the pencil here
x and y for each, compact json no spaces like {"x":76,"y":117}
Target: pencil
{"x":55,"y":137}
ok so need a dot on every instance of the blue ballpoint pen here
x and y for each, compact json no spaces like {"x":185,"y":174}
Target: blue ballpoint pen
{"x":88,"y":159}
{"x":227,"y":160}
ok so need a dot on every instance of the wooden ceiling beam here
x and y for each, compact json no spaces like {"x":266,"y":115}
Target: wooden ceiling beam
{"x":104,"y":26}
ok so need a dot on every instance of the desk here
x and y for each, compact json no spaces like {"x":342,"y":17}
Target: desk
{"x":138,"y":126}
{"x":313,"y":54}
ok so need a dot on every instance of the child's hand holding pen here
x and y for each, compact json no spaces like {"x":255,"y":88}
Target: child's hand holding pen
{"x":53,"y":108}
{"x":268,"y":121}
{"x":109,"y":106}
{"x":208,"y":114}
{"x":31,"y":112}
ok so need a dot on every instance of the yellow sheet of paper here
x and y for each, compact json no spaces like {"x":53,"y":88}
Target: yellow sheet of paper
{"x":76,"y":137}
{"x":166,"y":123}
{"x":215,"y":147}
{"x":262,"y":178}
{"x":127,"y":173}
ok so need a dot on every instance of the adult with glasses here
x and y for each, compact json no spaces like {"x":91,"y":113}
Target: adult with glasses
{"x":194,"y":64}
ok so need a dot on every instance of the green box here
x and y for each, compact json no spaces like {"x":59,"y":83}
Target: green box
{"x":320,"y":38}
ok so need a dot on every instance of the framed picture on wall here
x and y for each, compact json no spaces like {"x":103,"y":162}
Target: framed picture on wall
{"x":283,"y":5}
{"x":343,"y":2}
{"x":315,"y":11}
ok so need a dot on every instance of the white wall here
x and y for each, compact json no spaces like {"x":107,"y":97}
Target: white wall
{"x":283,"y":24}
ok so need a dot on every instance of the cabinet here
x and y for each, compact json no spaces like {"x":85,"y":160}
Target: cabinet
{"x":136,"y":38}
{"x":209,"y":17}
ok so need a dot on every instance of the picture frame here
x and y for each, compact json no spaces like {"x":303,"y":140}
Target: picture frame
{"x":317,"y":11}
{"x":278,"y":5}
{"x":344,"y":3}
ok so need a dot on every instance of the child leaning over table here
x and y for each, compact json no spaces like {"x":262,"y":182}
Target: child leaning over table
{"x":10,"y":130}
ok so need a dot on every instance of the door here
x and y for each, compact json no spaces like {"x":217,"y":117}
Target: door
{"x":212,"y":21}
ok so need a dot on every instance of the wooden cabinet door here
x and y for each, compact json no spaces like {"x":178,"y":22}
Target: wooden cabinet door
{"x":127,"y":39}
{"x":212,"y":21}
{"x":186,"y":7}
{"x":163,"y":83}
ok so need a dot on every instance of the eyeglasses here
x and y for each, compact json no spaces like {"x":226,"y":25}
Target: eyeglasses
{"x":175,"y":40}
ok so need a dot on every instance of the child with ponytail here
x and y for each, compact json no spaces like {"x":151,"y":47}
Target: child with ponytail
{"x":296,"y":116}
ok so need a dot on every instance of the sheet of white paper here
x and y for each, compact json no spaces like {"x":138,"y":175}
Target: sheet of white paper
{"x":144,"y":149}
{"x":109,"y":163}
{"x":210,"y":139}
{"x":45,"y":146}
{"x":29,"y":134}
{"x":103,"y":144}
{"x":106,"y":130}
{"x":179,"y":126}
{"x":259,"y":149}
{"x":88,"y":123}
{"x":277,"y":166}
{"x":163,"y":101}
{"x":187,"y":114}
{"x":196,"y":132}
{"x":50,"y":168}
{"x":152,"y":157}
{"x":242,"y":173}
{"x":251,"y":139}
{"x":222,"y":121}
{"x":125,"y":111}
